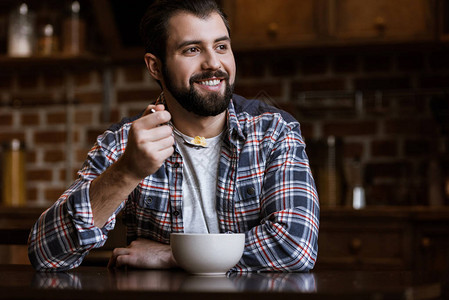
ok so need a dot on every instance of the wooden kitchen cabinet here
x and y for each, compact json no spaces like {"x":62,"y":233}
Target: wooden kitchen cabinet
{"x":351,"y":239}
{"x":432,"y":243}
{"x":382,"y":19}
{"x":393,"y":238}
{"x":271,"y":24}
{"x":265,"y":24}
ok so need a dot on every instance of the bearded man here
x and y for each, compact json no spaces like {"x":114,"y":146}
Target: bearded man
{"x":200,"y":159}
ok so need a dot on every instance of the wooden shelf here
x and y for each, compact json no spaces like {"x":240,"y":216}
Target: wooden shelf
{"x":52,"y":61}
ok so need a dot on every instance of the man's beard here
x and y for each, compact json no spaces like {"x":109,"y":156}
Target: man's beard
{"x":208,"y":105}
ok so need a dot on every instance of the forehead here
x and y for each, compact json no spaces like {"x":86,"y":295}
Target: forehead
{"x":185,"y":26}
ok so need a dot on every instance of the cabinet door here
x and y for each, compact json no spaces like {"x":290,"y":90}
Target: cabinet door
{"x":272,"y":23}
{"x":398,"y":19}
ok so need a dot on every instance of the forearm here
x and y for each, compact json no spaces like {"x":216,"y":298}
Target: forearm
{"x":109,"y":190}
{"x":287,"y":241}
{"x":64,"y":233}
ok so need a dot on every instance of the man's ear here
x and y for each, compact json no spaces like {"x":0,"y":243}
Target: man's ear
{"x":154,"y":66}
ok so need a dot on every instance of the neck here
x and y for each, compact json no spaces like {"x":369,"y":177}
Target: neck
{"x":193,"y":125}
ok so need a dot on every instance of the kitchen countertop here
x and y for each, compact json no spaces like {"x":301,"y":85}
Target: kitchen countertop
{"x":22,"y":282}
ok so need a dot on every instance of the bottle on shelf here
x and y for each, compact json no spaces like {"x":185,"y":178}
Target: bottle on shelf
{"x":48,"y":31}
{"x":21,"y":32}
{"x":13,"y":174}
{"x":73,"y":31}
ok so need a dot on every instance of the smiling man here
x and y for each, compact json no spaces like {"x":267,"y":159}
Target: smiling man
{"x":200,"y":159}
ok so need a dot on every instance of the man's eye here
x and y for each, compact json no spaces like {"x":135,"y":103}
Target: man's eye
{"x":191,"y":50}
{"x":222,"y":47}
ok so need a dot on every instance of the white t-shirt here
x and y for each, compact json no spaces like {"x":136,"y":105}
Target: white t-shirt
{"x":199,"y":185}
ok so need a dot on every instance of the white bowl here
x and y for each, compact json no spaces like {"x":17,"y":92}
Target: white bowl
{"x":207,"y":254}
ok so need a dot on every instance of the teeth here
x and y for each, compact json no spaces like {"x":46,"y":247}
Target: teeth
{"x":211,"y":82}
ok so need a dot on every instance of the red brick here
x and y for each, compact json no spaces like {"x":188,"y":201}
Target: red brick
{"x":9,"y":136}
{"x":31,"y":155}
{"x":145,"y":95}
{"x":28,"y":80}
{"x":313,"y":64}
{"x":5,"y":79}
{"x":307,"y":130}
{"x":134,"y":112}
{"x":259,"y":90}
{"x":39,"y":175}
{"x":434,"y":81}
{"x":345,"y":128}
{"x":89,"y":97}
{"x":387,"y":148}
{"x":346,"y":63}
{"x":334,"y":84}
{"x":6,"y":119}
{"x":53,"y":78}
{"x":54,"y":156}
{"x":283,"y":65}
{"x":394,"y":169}
{"x":56,"y":118}
{"x":76,"y":136}
{"x":62,"y":175}
{"x":382,"y":83}
{"x":83,"y":117}
{"x":250,"y":65}
{"x":31,"y":194}
{"x":412,"y":127}
{"x":53,"y":194}
{"x":133,"y":73}
{"x":412,"y":104}
{"x":82,"y":78}
{"x":289,"y":107}
{"x":31,"y":100}
{"x":114,"y":116}
{"x":381,"y":194}
{"x":439,"y":60}
{"x":29,"y":119}
{"x":376,"y":63}
{"x":92,"y":135}
{"x":419,"y":147}
{"x":49,"y":137}
{"x":410,"y":62}
{"x":81,"y":154}
{"x":353,"y":150}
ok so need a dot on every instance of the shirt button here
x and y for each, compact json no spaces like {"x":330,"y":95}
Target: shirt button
{"x":176,"y":165}
{"x":250,"y":190}
{"x":176,"y":213}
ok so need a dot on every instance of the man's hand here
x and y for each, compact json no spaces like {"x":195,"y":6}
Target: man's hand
{"x":144,"y":254}
{"x":150,"y":142}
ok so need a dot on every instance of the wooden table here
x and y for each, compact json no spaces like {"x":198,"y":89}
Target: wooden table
{"x":22,"y":282}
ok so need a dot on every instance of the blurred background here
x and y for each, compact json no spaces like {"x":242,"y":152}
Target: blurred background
{"x":368,"y":81}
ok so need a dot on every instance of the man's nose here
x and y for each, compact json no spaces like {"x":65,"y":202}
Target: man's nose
{"x":211,"y":61}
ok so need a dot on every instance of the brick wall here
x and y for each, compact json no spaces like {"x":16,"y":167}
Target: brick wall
{"x":377,"y":105}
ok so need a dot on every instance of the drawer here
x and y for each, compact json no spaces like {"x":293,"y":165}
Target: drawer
{"x":363,"y":247}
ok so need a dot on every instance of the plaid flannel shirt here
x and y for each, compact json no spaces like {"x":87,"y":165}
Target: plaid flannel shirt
{"x":265,"y":189}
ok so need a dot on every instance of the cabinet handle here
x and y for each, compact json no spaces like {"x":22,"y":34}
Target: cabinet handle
{"x":380,"y":25}
{"x":273,"y":29}
{"x":425,"y":242}
{"x":355,"y":245}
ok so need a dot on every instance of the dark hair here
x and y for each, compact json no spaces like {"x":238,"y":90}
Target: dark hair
{"x":153,"y":27}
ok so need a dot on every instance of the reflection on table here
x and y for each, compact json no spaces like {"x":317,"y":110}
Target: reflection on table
{"x":161,"y":280}
{"x":22,"y":282}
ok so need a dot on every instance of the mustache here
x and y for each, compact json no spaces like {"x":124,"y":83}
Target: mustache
{"x":209,"y":74}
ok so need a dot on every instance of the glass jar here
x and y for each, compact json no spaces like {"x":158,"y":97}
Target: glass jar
{"x":21,"y":32}
{"x":13,"y":174}
{"x":74,"y":31}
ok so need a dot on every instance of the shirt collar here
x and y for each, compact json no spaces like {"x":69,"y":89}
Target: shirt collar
{"x":234,"y":128}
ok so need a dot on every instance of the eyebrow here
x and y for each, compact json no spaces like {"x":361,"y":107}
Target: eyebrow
{"x":196,"y":42}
